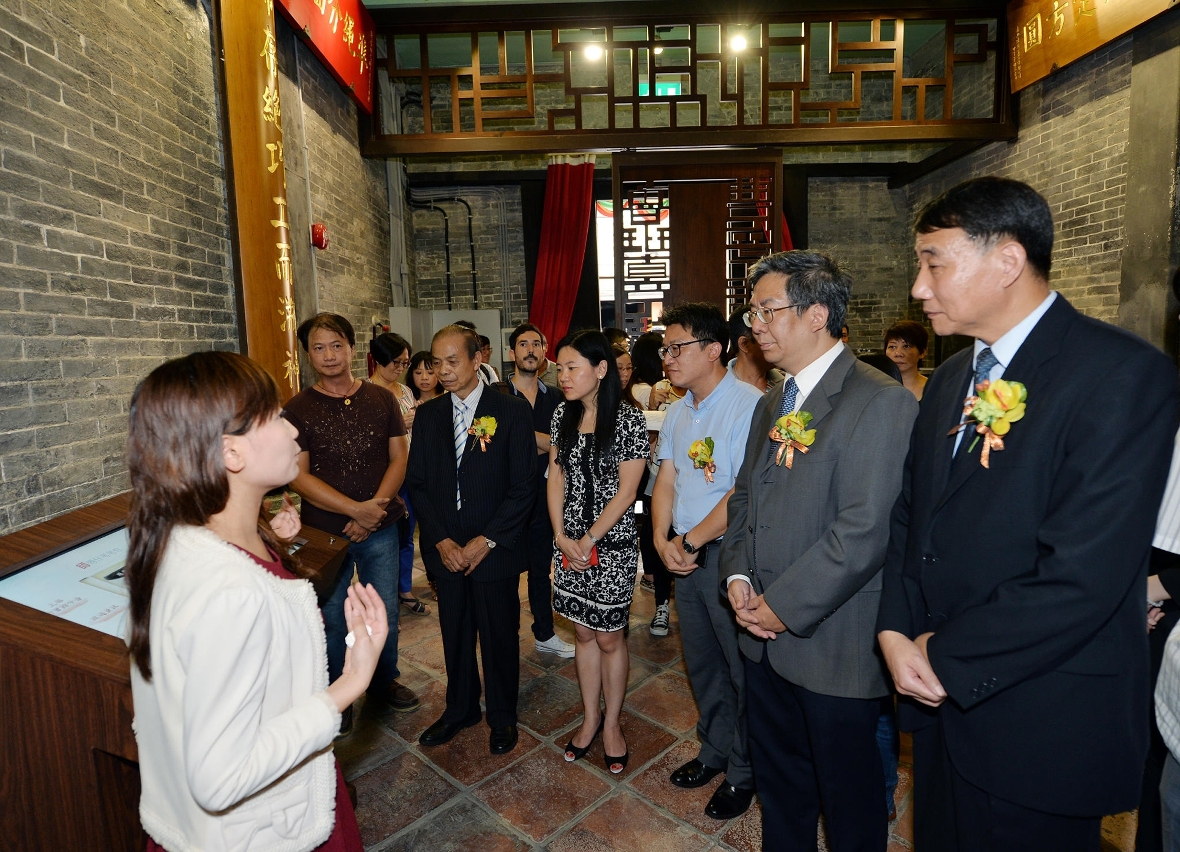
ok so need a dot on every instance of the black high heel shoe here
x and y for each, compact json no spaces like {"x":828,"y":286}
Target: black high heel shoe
{"x":579,"y":753}
{"x":612,"y":762}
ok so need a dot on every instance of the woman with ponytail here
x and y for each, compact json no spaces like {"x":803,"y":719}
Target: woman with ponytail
{"x":234,"y":716}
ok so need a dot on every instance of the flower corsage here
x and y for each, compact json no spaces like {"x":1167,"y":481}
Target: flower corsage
{"x":483,"y":428}
{"x":790,"y":432}
{"x":996,"y":406}
{"x":701,"y":453}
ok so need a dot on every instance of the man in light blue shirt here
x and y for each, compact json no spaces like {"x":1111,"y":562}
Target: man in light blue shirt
{"x":702,"y":445}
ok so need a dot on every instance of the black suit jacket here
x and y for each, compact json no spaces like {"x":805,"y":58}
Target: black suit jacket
{"x":1032,"y":574}
{"x":497,"y":484}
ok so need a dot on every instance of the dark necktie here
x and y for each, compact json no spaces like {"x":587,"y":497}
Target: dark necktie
{"x":983,"y":366}
{"x":786,"y":406}
{"x":983,"y":369}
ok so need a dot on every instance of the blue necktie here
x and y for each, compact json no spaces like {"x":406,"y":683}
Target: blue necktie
{"x":786,"y":406}
{"x":460,"y":441}
{"x":983,"y":369}
{"x":983,"y":366}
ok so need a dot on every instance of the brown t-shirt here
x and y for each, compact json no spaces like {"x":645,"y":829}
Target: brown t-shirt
{"x":347,"y":446}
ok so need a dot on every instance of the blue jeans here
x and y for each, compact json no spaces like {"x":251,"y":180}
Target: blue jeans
{"x":889,"y":743}
{"x":405,"y":575}
{"x":376,"y":562}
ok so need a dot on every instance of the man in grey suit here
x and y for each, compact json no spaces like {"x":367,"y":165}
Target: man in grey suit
{"x":802,"y":556}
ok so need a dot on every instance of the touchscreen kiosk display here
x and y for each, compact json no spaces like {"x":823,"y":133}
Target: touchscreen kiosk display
{"x":83,"y":585}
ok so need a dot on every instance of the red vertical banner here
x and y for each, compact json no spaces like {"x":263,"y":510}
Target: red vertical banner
{"x":258,"y":188}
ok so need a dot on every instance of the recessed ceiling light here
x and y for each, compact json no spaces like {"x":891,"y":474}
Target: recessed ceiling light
{"x":593,"y":52}
{"x":737,"y":43}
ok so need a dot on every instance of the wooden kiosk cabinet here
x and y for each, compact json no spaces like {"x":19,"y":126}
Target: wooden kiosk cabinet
{"x":69,"y":777}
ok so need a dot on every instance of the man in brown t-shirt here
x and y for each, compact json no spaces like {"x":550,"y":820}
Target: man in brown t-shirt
{"x":352,"y":464}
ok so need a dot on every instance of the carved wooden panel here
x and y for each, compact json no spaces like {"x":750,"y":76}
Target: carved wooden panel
{"x":602,"y":84}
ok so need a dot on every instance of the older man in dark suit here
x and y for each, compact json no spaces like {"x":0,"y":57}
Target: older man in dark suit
{"x":471,"y":482}
{"x":1014,"y":599}
{"x":802,"y":556}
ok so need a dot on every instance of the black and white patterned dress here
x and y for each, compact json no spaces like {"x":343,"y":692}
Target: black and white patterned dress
{"x":600,"y":596}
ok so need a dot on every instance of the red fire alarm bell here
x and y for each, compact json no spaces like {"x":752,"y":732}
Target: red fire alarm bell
{"x":319,"y":235}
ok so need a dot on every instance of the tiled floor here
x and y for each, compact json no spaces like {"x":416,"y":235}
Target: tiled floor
{"x":460,"y":797}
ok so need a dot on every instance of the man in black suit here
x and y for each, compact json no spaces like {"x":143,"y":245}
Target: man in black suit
{"x":1013,"y":614}
{"x":471,"y":482}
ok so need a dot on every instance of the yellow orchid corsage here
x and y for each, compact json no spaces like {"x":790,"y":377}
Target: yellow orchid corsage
{"x":701,"y":453}
{"x":790,"y":432}
{"x":483,"y":428}
{"x":992,"y":412}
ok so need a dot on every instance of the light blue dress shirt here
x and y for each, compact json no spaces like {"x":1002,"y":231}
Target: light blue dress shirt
{"x":725,"y":416}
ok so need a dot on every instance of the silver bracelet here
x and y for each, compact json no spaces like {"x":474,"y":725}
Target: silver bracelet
{"x":590,"y":536}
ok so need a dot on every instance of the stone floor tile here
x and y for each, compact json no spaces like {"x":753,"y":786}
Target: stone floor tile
{"x":541,"y":793}
{"x":626,"y":822}
{"x":463,"y":827}
{"x":668,"y":700}
{"x":399,"y":792}
{"x":745,"y":833}
{"x":367,"y":747}
{"x":467,"y":758}
{"x":409,"y":725}
{"x":660,"y":650}
{"x":412,"y":676}
{"x":688,"y":805}
{"x":548,"y":703}
{"x":427,"y":654}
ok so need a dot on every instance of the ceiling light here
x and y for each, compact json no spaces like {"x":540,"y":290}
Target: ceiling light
{"x":657,"y":50}
{"x":593,"y":52}
{"x":737,"y":44}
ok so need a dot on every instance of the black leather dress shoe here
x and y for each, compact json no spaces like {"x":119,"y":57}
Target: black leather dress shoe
{"x":728,"y":802}
{"x":443,"y":731}
{"x":693,"y":774}
{"x":502,"y":740}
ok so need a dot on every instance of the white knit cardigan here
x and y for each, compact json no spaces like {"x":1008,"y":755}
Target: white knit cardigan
{"x":234,"y":729}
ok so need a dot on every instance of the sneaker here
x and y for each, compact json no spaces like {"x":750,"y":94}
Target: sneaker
{"x":659,"y":623}
{"x":555,"y":645}
{"x":648,"y":583}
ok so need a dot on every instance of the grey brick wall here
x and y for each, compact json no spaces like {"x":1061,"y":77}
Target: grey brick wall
{"x":865,"y":227}
{"x":114,"y":251}
{"x":496,"y":213}
{"x":349,"y":195}
{"x":1072,"y":149}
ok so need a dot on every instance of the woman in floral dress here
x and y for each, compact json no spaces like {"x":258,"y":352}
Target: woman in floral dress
{"x":599,"y":444}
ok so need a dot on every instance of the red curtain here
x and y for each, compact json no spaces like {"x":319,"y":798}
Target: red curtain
{"x":564,"y":226}
{"x":788,"y":243}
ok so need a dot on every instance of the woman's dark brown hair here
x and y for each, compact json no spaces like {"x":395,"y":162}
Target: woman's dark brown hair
{"x":179,"y":414}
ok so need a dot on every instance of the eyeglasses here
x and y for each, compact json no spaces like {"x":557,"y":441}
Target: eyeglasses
{"x":673,"y":349}
{"x":401,"y":363}
{"x":765,"y":315}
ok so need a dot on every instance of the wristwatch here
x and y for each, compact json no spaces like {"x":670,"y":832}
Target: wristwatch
{"x":491,"y":544}
{"x":688,"y":548}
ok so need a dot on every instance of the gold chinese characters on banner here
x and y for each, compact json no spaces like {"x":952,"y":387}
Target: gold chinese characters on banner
{"x":258,"y":190}
{"x":1046,"y":35}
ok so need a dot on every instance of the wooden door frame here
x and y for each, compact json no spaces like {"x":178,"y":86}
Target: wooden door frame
{"x":656,"y":159}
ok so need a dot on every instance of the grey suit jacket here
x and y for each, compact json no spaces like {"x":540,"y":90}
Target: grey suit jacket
{"x":812,"y":538}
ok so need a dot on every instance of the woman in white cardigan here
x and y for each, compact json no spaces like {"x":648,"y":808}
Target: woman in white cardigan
{"x":234,"y":716}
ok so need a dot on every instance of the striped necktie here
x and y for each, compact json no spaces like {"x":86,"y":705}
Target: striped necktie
{"x":787,"y":405}
{"x":460,"y":441}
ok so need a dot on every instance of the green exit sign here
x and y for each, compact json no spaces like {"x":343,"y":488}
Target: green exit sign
{"x":662,"y":89}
